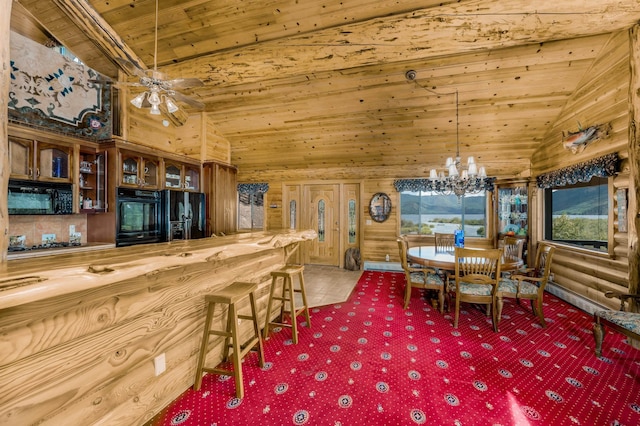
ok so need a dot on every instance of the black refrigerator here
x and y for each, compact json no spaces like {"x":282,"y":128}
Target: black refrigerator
{"x":184,"y":215}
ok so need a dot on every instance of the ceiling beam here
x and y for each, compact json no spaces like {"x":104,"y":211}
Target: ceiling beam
{"x":99,"y":31}
{"x":453,"y":29}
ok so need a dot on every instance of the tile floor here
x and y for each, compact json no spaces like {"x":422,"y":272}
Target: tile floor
{"x":325,"y":285}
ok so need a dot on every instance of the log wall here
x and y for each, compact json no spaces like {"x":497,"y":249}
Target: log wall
{"x":78,"y":347}
{"x":602,"y":97}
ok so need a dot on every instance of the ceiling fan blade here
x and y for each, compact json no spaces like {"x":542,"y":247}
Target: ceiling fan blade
{"x":184,"y":83}
{"x":187,"y":100}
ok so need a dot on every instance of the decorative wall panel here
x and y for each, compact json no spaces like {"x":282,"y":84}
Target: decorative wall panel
{"x":51,"y":91}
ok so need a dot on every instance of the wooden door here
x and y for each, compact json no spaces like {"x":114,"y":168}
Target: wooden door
{"x":322,"y":215}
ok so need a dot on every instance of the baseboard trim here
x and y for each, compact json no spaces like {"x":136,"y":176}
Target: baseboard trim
{"x":575,"y":299}
{"x":382,"y":266}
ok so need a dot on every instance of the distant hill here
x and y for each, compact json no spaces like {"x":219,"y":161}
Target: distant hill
{"x":410,"y":204}
{"x":590,"y":200}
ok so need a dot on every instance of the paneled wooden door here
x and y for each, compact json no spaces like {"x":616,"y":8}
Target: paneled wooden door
{"x":321,"y":212}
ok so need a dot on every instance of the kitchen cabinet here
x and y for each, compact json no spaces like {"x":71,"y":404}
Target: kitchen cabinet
{"x":93,"y":181}
{"x":34,"y":160}
{"x":220,"y":183}
{"x":138,"y":171}
{"x":181,"y":176}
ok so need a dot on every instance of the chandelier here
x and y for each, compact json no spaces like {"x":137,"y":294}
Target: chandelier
{"x":457,"y":178}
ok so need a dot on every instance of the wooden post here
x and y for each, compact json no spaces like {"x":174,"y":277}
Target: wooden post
{"x":5,"y":78}
{"x":634,"y":158}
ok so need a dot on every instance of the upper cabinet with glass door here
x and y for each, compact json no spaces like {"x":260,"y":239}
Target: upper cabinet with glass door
{"x":513,"y":203}
{"x":35,"y":160}
{"x":138,"y":171}
{"x":181,"y":176}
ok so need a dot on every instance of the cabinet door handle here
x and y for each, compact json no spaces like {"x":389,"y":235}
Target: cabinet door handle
{"x":37,"y":172}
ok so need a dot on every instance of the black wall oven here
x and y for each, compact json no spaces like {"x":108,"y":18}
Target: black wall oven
{"x":139,"y":217}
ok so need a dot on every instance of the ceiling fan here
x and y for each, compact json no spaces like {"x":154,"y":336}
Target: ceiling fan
{"x":161,"y":93}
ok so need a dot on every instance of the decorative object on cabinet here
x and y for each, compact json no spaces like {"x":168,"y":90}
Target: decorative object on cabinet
{"x":577,"y":141}
{"x":380,"y":207}
{"x":513,"y":210}
{"x":160,"y":92}
{"x":93,"y":182}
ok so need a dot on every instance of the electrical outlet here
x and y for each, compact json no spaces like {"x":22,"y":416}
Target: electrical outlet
{"x":160,"y":364}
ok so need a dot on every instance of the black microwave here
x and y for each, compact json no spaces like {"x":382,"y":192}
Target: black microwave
{"x":32,"y":197}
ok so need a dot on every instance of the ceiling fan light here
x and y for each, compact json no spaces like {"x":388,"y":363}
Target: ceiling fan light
{"x":138,"y":100}
{"x":154,"y":98}
{"x":154,"y":109}
{"x":171,"y":105}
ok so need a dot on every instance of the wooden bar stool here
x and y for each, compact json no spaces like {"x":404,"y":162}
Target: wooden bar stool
{"x":287,"y":295}
{"x":230,"y":296}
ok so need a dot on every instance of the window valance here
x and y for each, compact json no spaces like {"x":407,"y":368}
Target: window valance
{"x":604,"y":166}
{"x":252,"y":188}
{"x":416,"y":185}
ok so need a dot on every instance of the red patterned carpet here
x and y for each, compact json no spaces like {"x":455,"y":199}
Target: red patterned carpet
{"x":369,"y":362}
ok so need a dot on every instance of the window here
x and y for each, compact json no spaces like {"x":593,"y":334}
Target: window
{"x":250,"y":210}
{"x":426,"y":212}
{"x":578,"y":214}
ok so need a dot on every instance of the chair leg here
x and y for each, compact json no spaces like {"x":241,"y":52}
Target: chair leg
{"x":598,"y":334}
{"x":536,"y":307}
{"x":256,"y":328}
{"x":203,"y":346}
{"x":304,"y":299}
{"x":267,"y":320}
{"x":237,"y":361}
{"x":498,"y":309}
{"x":457,"y":314}
{"x":441,"y":300}
{"x":288,"y":284}
{"x":494,"y":318}
{"x":407,"y":295}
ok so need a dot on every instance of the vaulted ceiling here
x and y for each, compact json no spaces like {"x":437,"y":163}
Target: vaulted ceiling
{"x":300,"y":86}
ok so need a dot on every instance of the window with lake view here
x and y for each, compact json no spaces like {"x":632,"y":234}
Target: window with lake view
{"x":578,"y":214}
{"x":425,"y":213}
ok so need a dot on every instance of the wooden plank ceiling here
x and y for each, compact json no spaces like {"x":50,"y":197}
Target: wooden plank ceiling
{"x":300,"y":86}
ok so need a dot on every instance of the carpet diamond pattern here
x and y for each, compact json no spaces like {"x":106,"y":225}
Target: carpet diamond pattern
{"x":369,"y":362}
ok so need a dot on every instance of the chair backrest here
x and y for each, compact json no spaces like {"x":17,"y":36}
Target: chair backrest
{"x":402,"y":249}
{"x":477,"y":266}
{"x":513,"y":247}
{"x":544,"y":254}
{"x":414,"y":240}
{"x":444,"y":242}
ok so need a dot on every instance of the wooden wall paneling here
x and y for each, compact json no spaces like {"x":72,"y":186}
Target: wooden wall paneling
{"x":216,"y":146}
{"x":598,"y":99}
{"x":634,"y":159}
{"x":274,"y":208}
{"x":379,"y":239}
{"x":5,"y":170}
{"x":222,"y":198}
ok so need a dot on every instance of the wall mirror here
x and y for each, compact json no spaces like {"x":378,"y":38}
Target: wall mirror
{"x":380,"y":207}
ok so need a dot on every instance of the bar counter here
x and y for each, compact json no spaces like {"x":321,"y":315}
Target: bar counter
{"x":79,"y":332}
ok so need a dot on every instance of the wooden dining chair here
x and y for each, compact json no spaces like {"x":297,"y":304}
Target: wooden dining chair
{"x":477,"y":272}
{"x":444,"y":242}
{"x":529,"y":283}
{"x":423,"y":277}
{"x":513,"y":246}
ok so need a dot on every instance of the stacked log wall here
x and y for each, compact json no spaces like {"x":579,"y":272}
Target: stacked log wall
{"x":602,"y":98}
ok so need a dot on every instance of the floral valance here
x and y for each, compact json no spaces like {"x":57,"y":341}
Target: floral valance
{"x":583,"y":172}
{"x":416,"y":185}
{"x":252,"y":188}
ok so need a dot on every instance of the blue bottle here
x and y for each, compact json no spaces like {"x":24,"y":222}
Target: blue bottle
{"x":459,"y":238}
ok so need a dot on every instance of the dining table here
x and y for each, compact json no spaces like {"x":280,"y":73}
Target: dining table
{"x":446,"y":260}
